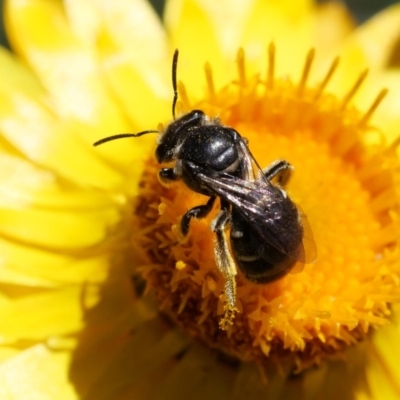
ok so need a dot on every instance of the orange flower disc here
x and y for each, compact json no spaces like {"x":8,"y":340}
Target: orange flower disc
{"x":342,"y":181}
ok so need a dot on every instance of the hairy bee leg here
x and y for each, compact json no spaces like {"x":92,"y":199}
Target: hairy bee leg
{"x":226,"y":265}
{"x":195,"y":212}
{"x":280,"y":169}
{"x":167,"y":175}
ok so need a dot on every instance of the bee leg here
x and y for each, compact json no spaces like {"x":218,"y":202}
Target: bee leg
{"x":280,"y":170}
{"x":167,"y":175}
{"x":195,"y":212}
{"x":226,"y":264}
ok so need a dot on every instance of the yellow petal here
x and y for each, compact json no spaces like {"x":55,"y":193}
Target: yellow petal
{"x":65,"y":66}
{"x":380,"y":383}
{"x":143,"y":84}
{"x":285,"y":10}
{"x":107,"y":334}
{"x":135,"y":27}
{"x":186,"y":19}
{"x":58,"y":229}
{"x":145,"y":92}
{"x":220,"y":23}
{"x":26,"y":184}
{"x":152,"y":348}
{"x":84,"y":19}
{"x":314,"y":380}
{"x":38,"y":316}
{"x":203,"y":377}
{"x":383,"y":368}
{"x":37,"y":373}
{"x":19,"y":77}
{"x":29,"y":126}
{"x":81,"y":364}
{"x":369,"y":47}
{"x":286,"y":23}
{"x":39,"y":136}
{"x":342,"y":379}
{"x":33,"y":266}
{"x":68,"y":69}
{"x":333,"y":23}
{"x":250,"y":386}
{"x":7,"y":352}
{"x":379,"y":36}
{"x":28,"y":272}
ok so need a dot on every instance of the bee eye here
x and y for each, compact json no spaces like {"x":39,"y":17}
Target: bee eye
{"x":163,"y":153}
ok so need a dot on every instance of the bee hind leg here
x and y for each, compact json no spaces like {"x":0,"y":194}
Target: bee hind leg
{"x":226,"y":265}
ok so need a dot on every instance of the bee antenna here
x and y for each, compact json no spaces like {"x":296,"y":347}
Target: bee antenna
{"x":174,"y":85}
{"x":123,"y":135}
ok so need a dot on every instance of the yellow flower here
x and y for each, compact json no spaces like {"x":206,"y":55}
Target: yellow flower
{"x":79,"y":223}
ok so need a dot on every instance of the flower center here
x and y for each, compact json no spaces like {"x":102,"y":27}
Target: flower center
{"x":342,"y":181}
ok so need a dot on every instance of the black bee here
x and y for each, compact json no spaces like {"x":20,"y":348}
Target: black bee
{"x":268,"y":234}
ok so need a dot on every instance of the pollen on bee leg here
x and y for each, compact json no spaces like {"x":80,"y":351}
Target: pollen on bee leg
{"x":226,"y":266}
{"x":229,"y":304}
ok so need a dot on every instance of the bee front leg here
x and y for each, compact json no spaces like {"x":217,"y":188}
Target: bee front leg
{"x":226,"y":264}
{"x":195,"y":212}
{"x":167,"y":175}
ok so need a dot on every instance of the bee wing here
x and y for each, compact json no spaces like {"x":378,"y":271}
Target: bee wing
{"x":310,"y":249}
{"x":308,"y":252}
{"x":256,"y":201}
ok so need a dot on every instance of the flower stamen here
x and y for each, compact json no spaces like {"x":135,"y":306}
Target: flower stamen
{"x":210,"y":80}
{"x":306,"y":72}
{"x":367,"y":115}
{"x":183,"y":96}
{"x":327,"y":78}
{"x":271,"y":66}
{"x":241,"y":61}
{"x":353,"y":90}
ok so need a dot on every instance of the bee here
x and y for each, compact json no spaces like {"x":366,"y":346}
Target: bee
{"x":268,"y":234}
